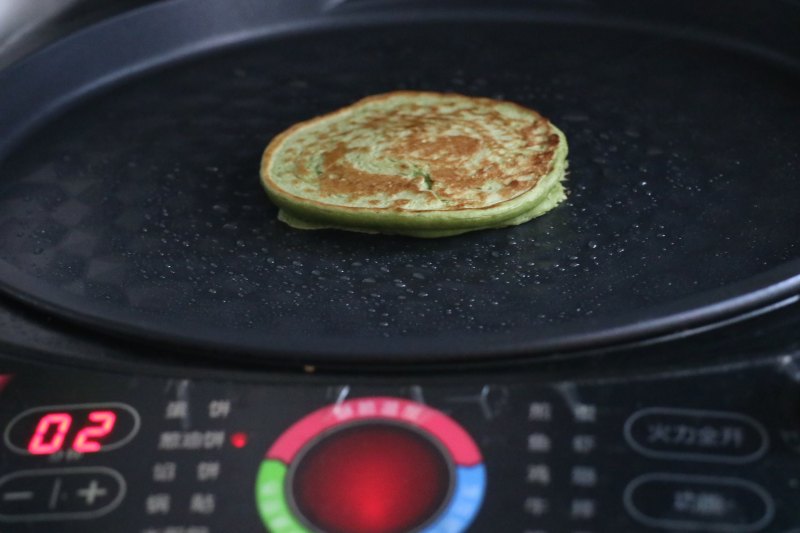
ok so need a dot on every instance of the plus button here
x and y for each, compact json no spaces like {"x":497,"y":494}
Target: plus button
{"x":92,"y":492}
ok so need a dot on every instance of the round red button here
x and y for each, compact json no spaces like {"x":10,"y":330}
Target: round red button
{"x":370,"y":478}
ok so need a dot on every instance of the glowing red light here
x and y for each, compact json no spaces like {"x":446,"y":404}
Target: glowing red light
{"x":239,"y":440}
{"x":83,"y":440}
{"x":50,"y":433}
{"x":377,"y":478}
{"x":4,"y":380}
{"x":52,"y":430}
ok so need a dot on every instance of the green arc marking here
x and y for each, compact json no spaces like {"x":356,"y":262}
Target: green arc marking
{"x":271,"y":499}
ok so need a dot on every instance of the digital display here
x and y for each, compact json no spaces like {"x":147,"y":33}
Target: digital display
{"x":52,"y":429}
{"x":82,"y":428}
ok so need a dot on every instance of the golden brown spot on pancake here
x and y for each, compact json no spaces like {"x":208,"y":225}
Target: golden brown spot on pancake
{"x":339,"y":177}
{"x":446,"y":147}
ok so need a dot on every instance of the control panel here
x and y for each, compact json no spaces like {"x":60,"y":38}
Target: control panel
{"x":93,"y":451}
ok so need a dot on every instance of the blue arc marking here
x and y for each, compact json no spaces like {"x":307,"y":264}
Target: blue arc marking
{"x":464,"y":504}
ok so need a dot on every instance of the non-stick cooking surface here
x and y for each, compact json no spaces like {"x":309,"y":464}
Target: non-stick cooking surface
{"x":140,"y":210}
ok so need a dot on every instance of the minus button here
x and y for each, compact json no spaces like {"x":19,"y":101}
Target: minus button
{"x":18,"y":496}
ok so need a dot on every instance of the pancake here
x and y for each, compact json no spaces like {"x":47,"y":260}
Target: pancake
{"x":414,"y":163}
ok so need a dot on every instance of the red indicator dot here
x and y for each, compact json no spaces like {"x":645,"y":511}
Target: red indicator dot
{"x":371,"y":478}
{"x":239,"y":440}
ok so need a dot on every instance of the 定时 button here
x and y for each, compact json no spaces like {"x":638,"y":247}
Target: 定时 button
{"x":698,"y":503}
{"x":60,"y":494}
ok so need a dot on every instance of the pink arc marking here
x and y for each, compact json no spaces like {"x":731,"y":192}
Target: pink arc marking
{"x":458,"y":443}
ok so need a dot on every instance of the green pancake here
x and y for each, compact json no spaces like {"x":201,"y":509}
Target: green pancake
{"x":417,"y":163}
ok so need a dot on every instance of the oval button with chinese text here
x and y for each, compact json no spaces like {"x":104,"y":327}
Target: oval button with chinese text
{"x":683,"y":502}
{"x":696,"y":435}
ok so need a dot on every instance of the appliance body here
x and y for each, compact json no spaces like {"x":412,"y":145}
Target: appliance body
{"x":698,"y":434}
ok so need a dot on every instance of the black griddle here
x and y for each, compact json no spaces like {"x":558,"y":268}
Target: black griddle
{"x":130,"y":201}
